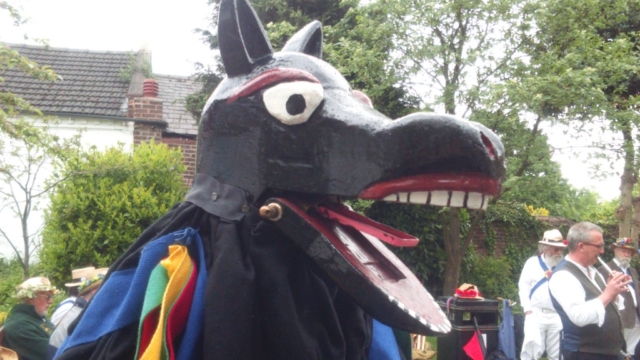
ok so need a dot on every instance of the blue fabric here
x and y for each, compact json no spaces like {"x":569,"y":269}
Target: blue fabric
{"x":543,"y":280}
{"x":119,"y":301}
{"x":383,"y":343}
{"x":195,"y":323}
{"x":506,"y":334}
{"x":570,"y":332}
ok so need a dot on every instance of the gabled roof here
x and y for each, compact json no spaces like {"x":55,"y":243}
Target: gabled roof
{"x":91,"y":82}
{"x":173,"y":91}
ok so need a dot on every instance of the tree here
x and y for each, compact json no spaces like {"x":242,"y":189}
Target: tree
{"x":26,"y":150}
{"x":25,"y":161}
{"x":588,"y":53}
{"x":455,"y":55}
{"x":358,"y":41}
{"x":108,"y":199}
{"x":12,"y":105}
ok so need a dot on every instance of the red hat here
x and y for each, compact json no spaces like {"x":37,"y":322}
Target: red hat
{"x":468,"y":291}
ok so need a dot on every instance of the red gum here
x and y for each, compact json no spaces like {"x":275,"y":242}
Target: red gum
{"x":433,"y":182}
{"x":270,"y":77}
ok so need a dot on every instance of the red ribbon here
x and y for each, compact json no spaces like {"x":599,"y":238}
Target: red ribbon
{"x":469,"y":293}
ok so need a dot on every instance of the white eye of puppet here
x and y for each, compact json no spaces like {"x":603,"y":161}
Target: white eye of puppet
{"x":293,"y":102}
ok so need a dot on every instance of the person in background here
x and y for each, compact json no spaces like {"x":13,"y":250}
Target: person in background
{"x":86,"y":290}
{"x":542,"y":323}
{"x":587,"y":304}
{"x":72,"y":289}
{"x":27,"y":329}
{"x":623,"y":250}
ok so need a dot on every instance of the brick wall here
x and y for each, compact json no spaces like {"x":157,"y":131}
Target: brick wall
{"x":503,"y":238}
{"x":146,"y":108}
{"x":188,"y":148}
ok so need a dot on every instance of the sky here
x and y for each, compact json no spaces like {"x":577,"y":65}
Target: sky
{"x":118,"y":25}
{"x":167,"y":29}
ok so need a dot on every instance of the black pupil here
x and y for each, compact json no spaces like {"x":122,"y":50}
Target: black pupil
{"x":296,"y":104}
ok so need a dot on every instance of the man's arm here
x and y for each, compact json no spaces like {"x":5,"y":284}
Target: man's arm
{"x":569,"y":293}
{"x":525,"y":284}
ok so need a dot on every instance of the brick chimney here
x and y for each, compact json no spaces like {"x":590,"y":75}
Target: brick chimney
{"x":143,"y":105}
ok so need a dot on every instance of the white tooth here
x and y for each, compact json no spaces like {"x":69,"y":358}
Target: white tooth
{"x":419,"y":197}
{"x":392,"y":198}
{"x":474,"y":201}
{"x":457,"y":199}
{"x":403,"y":197}
{"x":486,"y":202}
{"x":439,"y":198}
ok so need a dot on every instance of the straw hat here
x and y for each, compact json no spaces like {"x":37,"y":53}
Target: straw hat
{"x":553,"y":238}
{"x":468,"y":291}
{"x":78,"y":274}
{"x":626,"y":243}
{"x":30,"y":287}
{"x":93,"y":281}
{"x":7,"y":354}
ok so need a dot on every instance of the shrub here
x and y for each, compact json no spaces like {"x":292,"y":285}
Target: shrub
{"x":10,"y":277}
{"x":492,"y":276}
{"x":108,"y":199}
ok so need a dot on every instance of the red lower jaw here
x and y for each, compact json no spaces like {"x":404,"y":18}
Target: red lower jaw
{"x":345,"y":216}
{"x":432,"y":182}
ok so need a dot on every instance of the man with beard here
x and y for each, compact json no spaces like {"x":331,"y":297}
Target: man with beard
{"x":542,"y":324}
{"x":624,"y":249}
{"x":27,"y":329}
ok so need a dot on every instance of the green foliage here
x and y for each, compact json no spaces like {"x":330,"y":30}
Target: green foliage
{"x":10,"y":277}
{"x":361,"y":47}
{"x":108,"y":200}
{"x":520,"y":229}
{"x":358,"y":41}
{"x":11,"y":105}
{"x":301,"y":12}
{"x":209,"y":78}
{"x":491,"y":276}
{"x":135,"y":64}
{"x":427,"y":260}
{"x":602,"y":213}
{"x":24,"y":155}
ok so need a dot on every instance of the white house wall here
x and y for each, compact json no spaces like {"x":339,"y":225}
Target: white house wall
{"x":98,"y":132}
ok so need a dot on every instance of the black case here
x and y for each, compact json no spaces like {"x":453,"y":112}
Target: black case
{"x":461,"y":314}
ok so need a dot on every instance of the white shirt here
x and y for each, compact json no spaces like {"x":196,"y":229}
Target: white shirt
{"x":532,"y":273}
{"x":569,"y":293}
{"x":631,"y":289}
{"x":62,"y":310}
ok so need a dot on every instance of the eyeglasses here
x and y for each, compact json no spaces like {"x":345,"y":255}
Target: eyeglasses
{"x":600,"y":246}
{"x":46,"y":296}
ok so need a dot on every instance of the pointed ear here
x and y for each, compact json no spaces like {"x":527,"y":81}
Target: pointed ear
{"x":307,"y":40}
{"x":241,"y":36}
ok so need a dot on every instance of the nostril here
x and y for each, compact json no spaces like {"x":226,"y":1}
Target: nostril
{"x":489,"y":146}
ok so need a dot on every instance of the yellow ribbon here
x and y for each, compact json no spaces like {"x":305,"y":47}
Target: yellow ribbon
{"x":179,"y":267}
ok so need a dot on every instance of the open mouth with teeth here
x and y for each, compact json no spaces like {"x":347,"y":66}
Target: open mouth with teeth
{"x":349,"y":247}
{"x":455,"y":190}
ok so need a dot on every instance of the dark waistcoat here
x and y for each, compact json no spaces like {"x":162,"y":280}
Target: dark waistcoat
{"x":608,"y":338}
{"x":630,"y":311}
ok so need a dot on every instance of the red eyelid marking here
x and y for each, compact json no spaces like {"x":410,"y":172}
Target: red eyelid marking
{"x":270,"y":77}
{"x":362,"y":97}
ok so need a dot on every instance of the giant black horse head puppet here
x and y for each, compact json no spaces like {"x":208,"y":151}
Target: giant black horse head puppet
{"x":291,"y":272}
{"x":288,"y":125}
